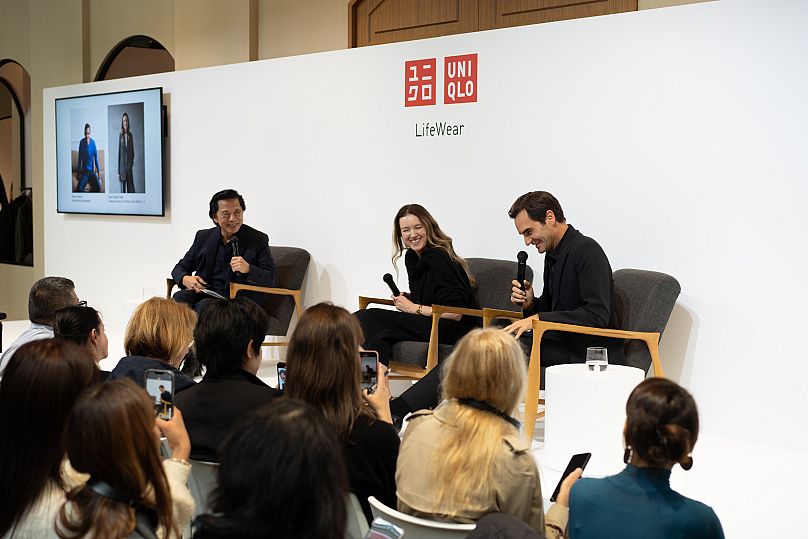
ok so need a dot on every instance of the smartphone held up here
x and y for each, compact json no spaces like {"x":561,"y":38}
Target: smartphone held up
{"x":160,"y":387}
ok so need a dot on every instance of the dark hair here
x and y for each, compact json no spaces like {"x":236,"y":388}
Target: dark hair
{"x":86,"y":127}
{"x":322,"y":365}
{"x":40,"y":385}
{"x":536,"y":204}
{"x":226,"y":194}
{"x":286,"y":444}
{"x":662,"y":422}
{"x":114,"y":418}
{"x":127,"y":121}
{"x":224,"y":330}
{"x":47,"y":296}
{"x":75,"y":323}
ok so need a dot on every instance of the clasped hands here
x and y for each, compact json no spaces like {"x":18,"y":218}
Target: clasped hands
{"x":195,"y":283}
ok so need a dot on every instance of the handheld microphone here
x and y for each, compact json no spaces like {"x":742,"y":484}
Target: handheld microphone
{"x":234,"y":248}
{"x":521,"y":265}
{"x":392,"y":284}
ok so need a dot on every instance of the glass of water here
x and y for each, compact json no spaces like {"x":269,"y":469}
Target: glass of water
{"x":597,"y":356}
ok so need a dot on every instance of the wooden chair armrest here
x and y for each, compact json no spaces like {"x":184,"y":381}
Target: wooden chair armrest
{"x":540,"y":326}
{"x":294,"y":294}
{"x":365,"y":301}
{"x":170,"y":283}
{"x":441,"y":309}
{"x":489,"y":315}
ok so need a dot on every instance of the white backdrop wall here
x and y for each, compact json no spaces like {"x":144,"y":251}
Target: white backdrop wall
{"x":674,"y":137}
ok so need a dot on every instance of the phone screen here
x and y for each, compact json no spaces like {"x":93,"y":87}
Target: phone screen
{"x":369,"y":360}
{"x":577,"y":461}
{"x":160,"y":387}
{"x":281,"y":375}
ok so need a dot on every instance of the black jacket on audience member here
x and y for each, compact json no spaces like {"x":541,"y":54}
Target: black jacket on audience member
{"x":135,"y":367}
{"x":212,"y":406}
{"x":370,"y":456}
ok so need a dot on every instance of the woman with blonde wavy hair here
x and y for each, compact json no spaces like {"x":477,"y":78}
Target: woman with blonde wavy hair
{"x":157,"y":337}
{"x":467,"y":458}
{"x":437,"y":276}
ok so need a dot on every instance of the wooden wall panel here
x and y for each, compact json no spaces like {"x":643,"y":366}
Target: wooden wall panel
{"x":372,"y":22}
{"x":388,"y":21}
{"x":507,"y":13}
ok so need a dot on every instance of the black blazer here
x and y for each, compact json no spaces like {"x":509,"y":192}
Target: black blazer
{"x":212,"y":406}
{"x":579,"y":289}
{"x":253,"y":247}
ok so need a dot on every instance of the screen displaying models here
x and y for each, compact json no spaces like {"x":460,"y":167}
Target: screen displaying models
{"x":109,"y":153}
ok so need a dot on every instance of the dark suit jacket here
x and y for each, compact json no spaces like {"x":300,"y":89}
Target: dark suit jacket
{"x":212,"y":406}
{"x":135,"y":367}
{"x":253,"y":247}
{"x":578,"y":289}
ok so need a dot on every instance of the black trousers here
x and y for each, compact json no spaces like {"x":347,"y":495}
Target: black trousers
{"x":196,"y":300}
{"x":383,"y":328}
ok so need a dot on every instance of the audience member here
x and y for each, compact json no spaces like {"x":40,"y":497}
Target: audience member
{"x":113,"y":437}
{"x":42,"y":382}
{"x":227,"y":339}
{"x":47,"y":296}
{"x":437,"y":275}
{"x":323,"y":369}
{"x":83,"y":325}
{"x":466,"y":459}
{"x":662,"y":425}
{"x":281,"y":476}
{"x":157,"y":337}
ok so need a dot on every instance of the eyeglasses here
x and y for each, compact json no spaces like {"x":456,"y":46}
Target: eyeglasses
{"x":82,"y":303}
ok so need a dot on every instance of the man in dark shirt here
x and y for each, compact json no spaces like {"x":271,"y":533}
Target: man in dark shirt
{"x":231,"y":251}
{"x":228,"y":339}
{"x":577,"y":287}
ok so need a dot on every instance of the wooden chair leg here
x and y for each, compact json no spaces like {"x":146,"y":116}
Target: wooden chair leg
{"x":653,"y":348}
{"x":533,"y":383}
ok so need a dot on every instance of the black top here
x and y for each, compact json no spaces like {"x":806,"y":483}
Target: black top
{"x":370,"y":456}
{"x":436,"y":279}
{"x":212,"y":406}
{"x":578,"y":289}
{"x":135,"y":367}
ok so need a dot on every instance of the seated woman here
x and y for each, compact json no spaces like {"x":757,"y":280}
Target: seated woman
{"x":157,"y":337}
{"x":113,"y":437}
{"x":662,"y":425}
{"x":484,"y":381}
{"x":228,"y":341}
{"x":290,"y":446}
{"x":83,"y":325}
{"x":41,"y":384}
{"x":323,"y":369}
{"x":437,"y":276}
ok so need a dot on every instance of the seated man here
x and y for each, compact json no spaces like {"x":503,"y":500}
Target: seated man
{"x":230,"y":251}
{"x":47,"y":296}
{"x":578,"y":286}
{"x":228,"y":339}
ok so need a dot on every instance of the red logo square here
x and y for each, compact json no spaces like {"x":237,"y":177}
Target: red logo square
{"x":419,"y":82}
{"x":460,"y":79}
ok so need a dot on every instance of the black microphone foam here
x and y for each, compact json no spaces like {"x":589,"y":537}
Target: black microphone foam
{"x":234,"y":245}
{"x":392,"y":284}
{"x":521,"y":266}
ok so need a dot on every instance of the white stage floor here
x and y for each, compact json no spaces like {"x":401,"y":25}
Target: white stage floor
{"x":756,"y":490}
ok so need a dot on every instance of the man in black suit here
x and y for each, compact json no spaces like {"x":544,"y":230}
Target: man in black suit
{"x":578,"y":287}
{"x":228,"y":339}
{"x":230,"y":251}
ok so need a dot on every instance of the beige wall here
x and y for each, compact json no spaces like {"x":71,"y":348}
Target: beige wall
{"x":291,"y":27}
{"x":652,"y":4}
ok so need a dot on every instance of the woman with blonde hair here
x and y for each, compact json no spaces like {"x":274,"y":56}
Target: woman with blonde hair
{"x":437,"y":276}
{"x":323,"y":369}
{"x":157,"y":337}
{"x":467,"y":459}
{"x":113,"y":437}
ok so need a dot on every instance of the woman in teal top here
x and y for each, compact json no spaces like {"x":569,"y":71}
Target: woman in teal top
{"x":662,"y":425}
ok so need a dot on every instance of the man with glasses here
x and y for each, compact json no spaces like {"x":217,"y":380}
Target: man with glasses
{"x":230,"y":251}
{"x":47,"y":296}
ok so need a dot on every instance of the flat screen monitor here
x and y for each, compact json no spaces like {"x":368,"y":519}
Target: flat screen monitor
{"x":109,"y":153}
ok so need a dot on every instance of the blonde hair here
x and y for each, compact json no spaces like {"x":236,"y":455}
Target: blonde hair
{"x":486,"y":365}
{"x":435,"y":237}
{"x":160,"y":329}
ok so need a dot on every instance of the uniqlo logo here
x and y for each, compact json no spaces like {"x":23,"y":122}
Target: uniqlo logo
{"x":460,"y":79}
{"x":419,"y":82}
